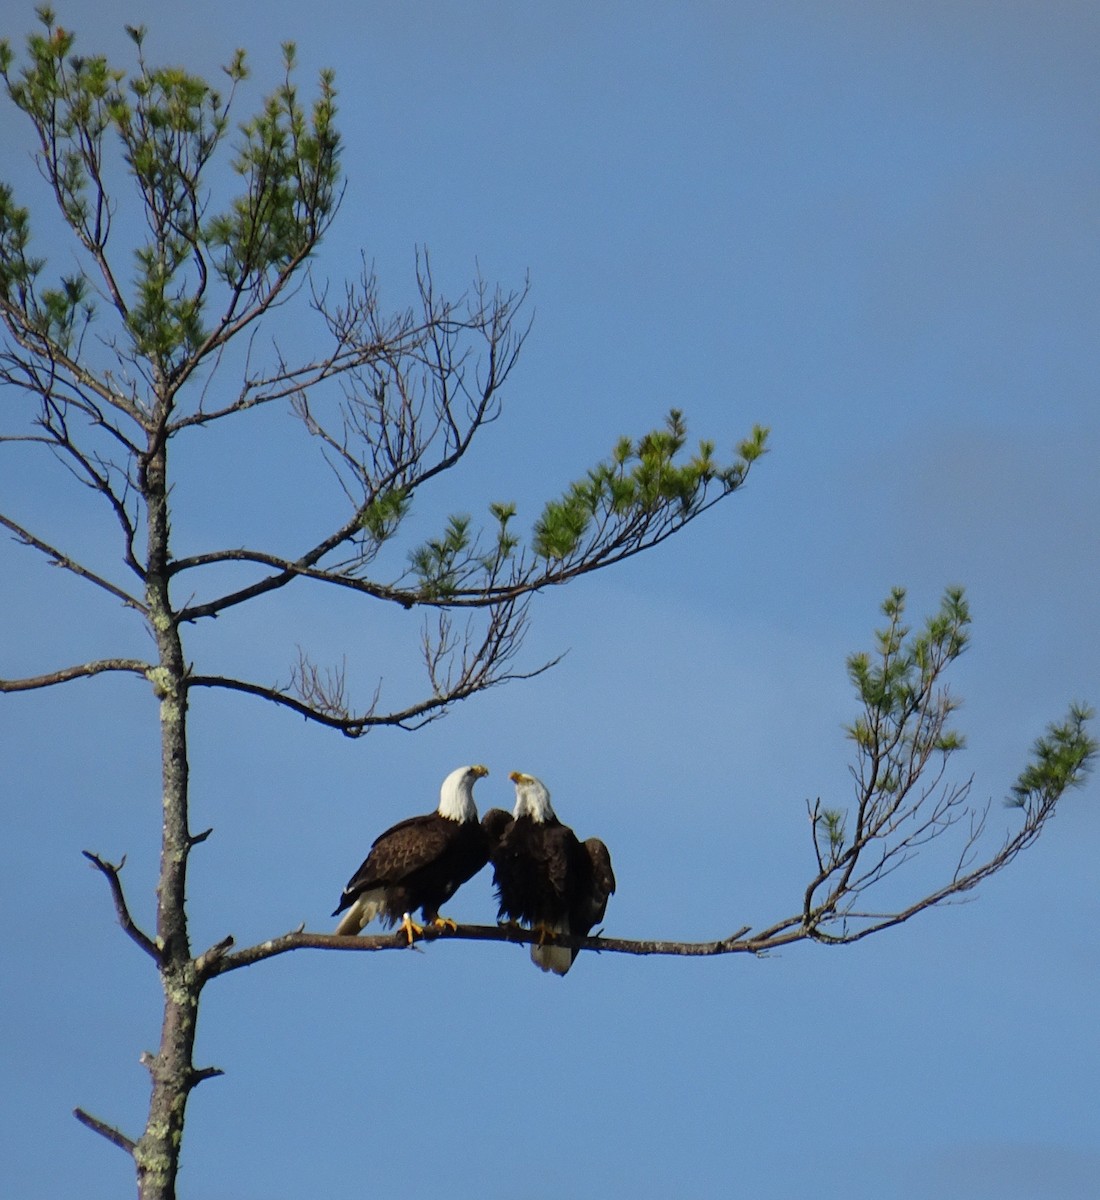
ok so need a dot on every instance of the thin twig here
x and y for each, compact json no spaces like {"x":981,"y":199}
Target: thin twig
{"x":356,"y":724}
{"x":110,"y":872}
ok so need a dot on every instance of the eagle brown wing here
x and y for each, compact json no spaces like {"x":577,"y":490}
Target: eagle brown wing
{"x":598,"y":883}
{"x":565,"y":859}
{"x":398,"y":859}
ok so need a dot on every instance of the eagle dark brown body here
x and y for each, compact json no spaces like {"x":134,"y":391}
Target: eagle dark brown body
{"x":546,"y":878}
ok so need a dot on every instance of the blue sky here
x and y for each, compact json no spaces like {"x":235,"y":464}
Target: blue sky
{"x":871,"y":227}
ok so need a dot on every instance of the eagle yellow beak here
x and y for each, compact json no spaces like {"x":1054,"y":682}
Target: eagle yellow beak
{"x":519,"y":777}
{"x":479,"y":770}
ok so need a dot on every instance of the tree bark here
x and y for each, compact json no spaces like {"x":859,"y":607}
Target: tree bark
{"x":157,"y":1152}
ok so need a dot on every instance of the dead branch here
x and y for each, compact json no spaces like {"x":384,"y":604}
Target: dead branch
{"x":23,"y":328}
{"x":113,"y":1135}
{"x":325,"y":710}
{"x":60,"y":559}
{"x":83,"y":671}
{"x":110,"y":872}
{"x":202,"y":1073}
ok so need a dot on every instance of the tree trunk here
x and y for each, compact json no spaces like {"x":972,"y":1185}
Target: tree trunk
{"x":172,"y":1068}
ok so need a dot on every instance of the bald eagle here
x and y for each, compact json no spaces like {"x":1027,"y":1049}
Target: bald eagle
{"x":547,"y":878}
{"x":420,"y":862}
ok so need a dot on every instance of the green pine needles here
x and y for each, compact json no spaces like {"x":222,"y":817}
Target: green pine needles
{"x":644,"y":486}
{"x":1061,"y":759}
{"x":904,"y":739}
{"x":167,"y":125}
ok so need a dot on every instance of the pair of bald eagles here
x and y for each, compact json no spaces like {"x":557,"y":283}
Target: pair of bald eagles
{"x":545,"y":877}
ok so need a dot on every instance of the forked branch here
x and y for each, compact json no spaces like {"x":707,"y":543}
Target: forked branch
{"x":903,"y":743}
{"x":110,"y":872}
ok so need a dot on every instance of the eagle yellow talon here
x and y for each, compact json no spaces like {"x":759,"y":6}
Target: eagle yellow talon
{"x":412,"y":930}
{"x":445,"y":923}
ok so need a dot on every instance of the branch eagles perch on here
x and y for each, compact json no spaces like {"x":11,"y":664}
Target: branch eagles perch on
{"x":420,"y":862}
{"x":546,"y":877}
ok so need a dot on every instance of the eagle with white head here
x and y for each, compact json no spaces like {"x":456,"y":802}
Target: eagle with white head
{"x":546,"y":878}
{"x":419,"y":862}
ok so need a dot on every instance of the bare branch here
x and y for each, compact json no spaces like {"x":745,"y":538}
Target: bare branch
{"x":59,"y":398}
{"x":60,"y":559}
{"x":351,"y":726}
{"x":113,"y":1135}
{"x":327,"y":709}
{"x":219,"y":964}
{"x":232,"y":322}
{"x":110,"y":872}
{"x":203,"y":1073}
{"x":91,"y":469}
{"x":287,"y":569}
{"x":83,"y":671}
{"x":44,"y":350}
{"x":40,"y":378}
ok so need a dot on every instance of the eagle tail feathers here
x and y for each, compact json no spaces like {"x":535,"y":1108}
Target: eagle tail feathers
{"x":364,"y":908}
{"x":548,"y":957}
